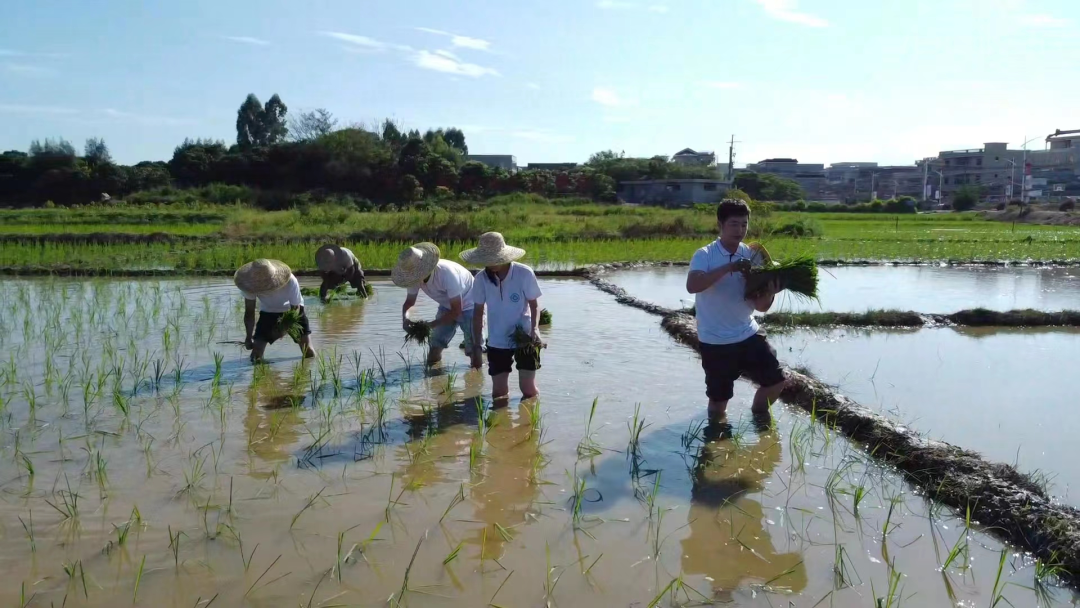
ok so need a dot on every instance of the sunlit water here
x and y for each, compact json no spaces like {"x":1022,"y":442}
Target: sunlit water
{"x":928,"y":289}
{"x":288,"y":486}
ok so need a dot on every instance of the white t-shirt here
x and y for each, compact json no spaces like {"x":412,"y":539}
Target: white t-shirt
{"x":507,"y":303}
{"x":723,"y":314}
{"x":281,"y":299}
{"x":355,"y":261}
{"x":449,"y":280}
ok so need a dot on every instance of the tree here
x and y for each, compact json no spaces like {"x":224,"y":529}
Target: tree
{"x":274,"y":127}
{"x":96,"y":152}
{"x":249,"y":122}
{"x":605,"y":156}
{"x":456,"y":138}
{"x":61,"y":148}
{"x":193,"y":162}
{"x":767,"y":187}
{"x":312,"y":125}
{"x":393,"y":136}
{"x":966,"y":198}
{"x":259,"y":125}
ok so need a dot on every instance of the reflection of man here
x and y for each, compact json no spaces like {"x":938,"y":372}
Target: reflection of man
{"x":727,"y":541}
{"x":270,"y":422}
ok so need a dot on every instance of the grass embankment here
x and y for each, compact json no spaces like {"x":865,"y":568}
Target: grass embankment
{"x":210,"y":237}
{"x":977,"y":317}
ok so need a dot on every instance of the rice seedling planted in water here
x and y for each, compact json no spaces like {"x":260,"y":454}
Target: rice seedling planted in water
{"x":545,"y":317}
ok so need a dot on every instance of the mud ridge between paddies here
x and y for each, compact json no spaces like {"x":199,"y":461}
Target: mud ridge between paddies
{"x":67,"y":270}
{"x":1006,"y":502}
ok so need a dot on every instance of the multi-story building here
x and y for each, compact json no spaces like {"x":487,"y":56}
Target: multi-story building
{"x":810,"y":176}
{"x":551,"y":166}
{"x":672,"y":192}
{"x":507,"y":162}
{"x":1001,"y":173}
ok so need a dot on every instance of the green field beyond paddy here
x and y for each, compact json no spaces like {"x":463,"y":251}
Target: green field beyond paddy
{"x":211,"y":237}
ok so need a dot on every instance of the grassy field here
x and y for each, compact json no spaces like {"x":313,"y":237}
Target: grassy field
{"x":554,"y":235}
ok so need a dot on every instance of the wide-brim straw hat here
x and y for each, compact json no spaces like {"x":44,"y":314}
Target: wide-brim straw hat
{"x":492,"y":251}
{"x":331,"y":258}
{"x":262,"y":276}
{"x":415,"y":264}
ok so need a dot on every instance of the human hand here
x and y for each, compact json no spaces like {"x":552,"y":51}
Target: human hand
{"x":740,"y":266}
{"x":405,"y":323}
{"x":249,"y":343}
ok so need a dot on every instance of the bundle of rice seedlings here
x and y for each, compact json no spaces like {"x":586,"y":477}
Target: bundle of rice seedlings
{"x":289,"y":324}
{"x":796,"y":275}
{"x":545,"y":317}
{"x":418,"y":331}
{"x":523,"y":340}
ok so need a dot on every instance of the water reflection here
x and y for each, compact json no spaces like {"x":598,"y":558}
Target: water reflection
{"x":273,"y":419}
{"x":727,"y":541}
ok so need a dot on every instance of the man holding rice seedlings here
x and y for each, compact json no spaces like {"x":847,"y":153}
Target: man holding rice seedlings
{"x":731,"y":342}
{"x":338,"y":265}
{"x":421,"y":268}
{"x":509,"y":292}
{"x":281,"y":307}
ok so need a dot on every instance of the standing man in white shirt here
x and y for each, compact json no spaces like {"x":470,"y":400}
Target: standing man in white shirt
{"x":421,"y":268}
{"x":273,"y":285}
{"x":731,"y":342}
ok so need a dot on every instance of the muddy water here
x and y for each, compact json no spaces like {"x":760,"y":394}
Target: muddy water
{"x":930,"y":289}
{"x":997,"y":391}
{"x":345,"y":480}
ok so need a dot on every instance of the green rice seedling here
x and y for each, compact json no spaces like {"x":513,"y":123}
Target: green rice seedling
{"x":997,"y":596}
{"x":30,"y":531}
{"x":311,"y":501}
{"x":1048,"y":573}
{"x":218,"y":359}
{"x":796,"y":275}
{"x":892,"y":598}
{"x":636,"y":425}
{"x":174,"y":546}
{"x":503,"y":532}
{"x":408,"y":571}
{"x":270,"y":567}
{"x":455,"y":501}
{"x":549,"y":583}
{"x":453,"y":553}
{"x":673,"y":589}
{"x":693,"y":434}
{"x":194,"y":473}
{"x":122,"y":532}
{"x":545,"y":317}
{"x":23,"y":600}
{"x":491,"y":602}
{"x":588,"y":447}
{"x":122,"y":403}
{"x":418,"y":332}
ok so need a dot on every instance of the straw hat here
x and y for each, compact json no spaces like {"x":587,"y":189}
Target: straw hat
{"x":331,"y":258}
{"x":262,"y":276}
{"x":492,"y":251}
{"x":415,"y":264}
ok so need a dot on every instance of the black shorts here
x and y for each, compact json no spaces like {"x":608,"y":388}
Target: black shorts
{"x":724,"y":363}
{"x":501,"y":360}
{"x":266,"y":326}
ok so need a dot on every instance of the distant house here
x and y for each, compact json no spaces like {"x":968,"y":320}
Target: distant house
{"x":672,"y":192}
{"x":507,"y":162}
{"x":687,"y":156}
{"x":551,"y":166}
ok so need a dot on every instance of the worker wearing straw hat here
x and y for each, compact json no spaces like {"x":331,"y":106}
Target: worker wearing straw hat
{"x":277,"y":291}
{"x":421,"y":268}
{"x":509,"y":293}
{"x":338,"y":265}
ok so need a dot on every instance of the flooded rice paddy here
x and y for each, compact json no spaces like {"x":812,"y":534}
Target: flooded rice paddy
{"x":927,"y":289}
{"x":145,"y":461}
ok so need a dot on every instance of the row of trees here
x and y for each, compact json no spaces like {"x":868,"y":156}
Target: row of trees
{"x":282,"y":154}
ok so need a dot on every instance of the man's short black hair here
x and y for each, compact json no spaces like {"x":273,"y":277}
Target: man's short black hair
{"x":730,"y":207}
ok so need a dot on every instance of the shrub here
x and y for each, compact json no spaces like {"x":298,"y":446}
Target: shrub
{"x":737,"y":194}
{"x":817,"y":207}
{"x":965,"y":199}
{"x":443,"y":193}
{"x":1067,"y":206}
{"x":802,"y":227}
{"x":902,"y":205}
{"x":1000,"y":206}
{"x":799,"y":206}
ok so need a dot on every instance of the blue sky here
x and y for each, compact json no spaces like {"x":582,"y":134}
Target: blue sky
{"x":819,"y":80}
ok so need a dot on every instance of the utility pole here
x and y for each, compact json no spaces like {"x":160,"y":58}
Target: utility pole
{"x":925,"y":175}
{"x":731,"y":159}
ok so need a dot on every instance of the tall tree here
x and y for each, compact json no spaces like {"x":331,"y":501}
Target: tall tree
{"x":96,"y":152}
{"x":392,"y":135}
{"x":312,"y":125}
{"x":60,"y":148}
{"x":249,"y":122}
{"x":456,"y":138}
{"x":274,"y":127}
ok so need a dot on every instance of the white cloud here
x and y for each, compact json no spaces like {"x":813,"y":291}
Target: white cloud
{"x":784,"y":10}
{"x":533,"y":86}
{"x":247,"y":40}
{"x":722,"y":85}
{"x":607,"y":97}
{"x":448,"y":63}
{"x":464,"y":42}
{"x":28,"y":109}
{"x":614,"y":4}
{"x":353,"y":39}
{"x":659,"y":8}
{"x":28,"y":70}
{"x":1044,"y":21}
